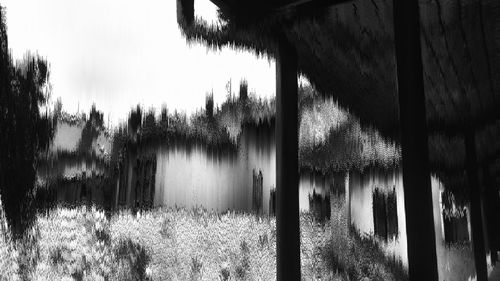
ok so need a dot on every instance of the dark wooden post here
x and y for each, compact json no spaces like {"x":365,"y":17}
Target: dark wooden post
{"x":491,"y":209}
{"x":117,"y":189}
{"x":422,"y":260}
{"x":475,"y":206}
{"x":287,"y":165}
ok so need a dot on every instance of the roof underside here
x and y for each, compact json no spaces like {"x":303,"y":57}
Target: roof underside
{"x":347,"y":51}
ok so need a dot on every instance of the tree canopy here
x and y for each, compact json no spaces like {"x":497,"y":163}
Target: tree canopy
{"x":25,"y":130}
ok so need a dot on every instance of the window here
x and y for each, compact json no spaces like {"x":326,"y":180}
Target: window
{"x":385,"y":217}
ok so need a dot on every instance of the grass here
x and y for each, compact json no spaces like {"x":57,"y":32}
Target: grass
{"x":176,"y":244}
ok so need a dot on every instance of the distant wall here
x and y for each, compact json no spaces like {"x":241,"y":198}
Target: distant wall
{"x":454,"y":260}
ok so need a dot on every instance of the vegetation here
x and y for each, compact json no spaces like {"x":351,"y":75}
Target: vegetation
{"x":216,"y":127}
{"x":347,"y":147}
{"x":24,"y":89}
{"x":176,"y":244}
{"x":330,"y":139}
{"x":93,"y":127}
{"x":355,"y":256}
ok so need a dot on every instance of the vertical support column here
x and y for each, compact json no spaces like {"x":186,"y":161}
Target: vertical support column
{"x":491,"y":206}
{"x":348,"y":201}
{"x":117,"y":189}
{"x":130,"y":178}
{"x":475,"y":206}
{"x":153,"y":182}
{"x":287,"y":165}
{"x":422,"y":260}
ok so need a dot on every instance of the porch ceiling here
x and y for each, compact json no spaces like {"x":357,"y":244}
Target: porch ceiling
{"x":347,"y":51}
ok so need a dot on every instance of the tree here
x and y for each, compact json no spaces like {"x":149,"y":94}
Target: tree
{"x":243,"y":90}
{"x":164,"y":114}
{"x":90,"y":132}
{"x":96,"y":117}
{"x":135,"y":120}
{"x":58,"y":108}
{"x":24,"y":87}
{"x":149,"y":124}
{"x":209,"y":106}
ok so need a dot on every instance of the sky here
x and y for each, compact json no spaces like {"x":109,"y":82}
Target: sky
{"x":118,"y":53}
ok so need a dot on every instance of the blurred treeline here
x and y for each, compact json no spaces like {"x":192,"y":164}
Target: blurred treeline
{"x":330,"y":139}
{"x":215,"y":126}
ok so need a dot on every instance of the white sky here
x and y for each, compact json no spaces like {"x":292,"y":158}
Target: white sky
{"x":118,"y":53}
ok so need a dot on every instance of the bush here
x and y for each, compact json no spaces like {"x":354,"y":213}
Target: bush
{"x":29,"y":253}
{"x":355,"y":257}
{"x":134,"y":257}
{"x":83,"y":244}
{"x":196,"y":266}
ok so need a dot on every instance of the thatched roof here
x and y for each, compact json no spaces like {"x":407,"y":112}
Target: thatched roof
{"x":347,"y":51}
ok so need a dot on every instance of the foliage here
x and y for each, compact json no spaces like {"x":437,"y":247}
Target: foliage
{"x":93,"y":127}
{"x":176,"y":244}
{"x":135,"y":119}
{"x":9,"y":265}
{"x":349,"y":148}
{"x":330,"y":139}
{"x":352,"y":256}
{"x":74,"y":244}
{"x":209,"y":106}
{"x":243,"y":90}
{"x":216,"y":127}
{"x":135,"y":257}
{"x":24,"y":88}
{"x":118,"y":145}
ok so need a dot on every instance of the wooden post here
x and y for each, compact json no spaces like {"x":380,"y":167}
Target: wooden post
{"x":348,"y":201}
{"x":422,"y":260}
{"x":475,"y":206}
{"x":491,"y":208}
{"x":287,"y":165}
{"x":117,"y":189}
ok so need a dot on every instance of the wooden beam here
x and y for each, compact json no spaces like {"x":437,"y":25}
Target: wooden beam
{"x":305,"y":8}
{"x":255,"y":11}
{"x":185,"y":12}
{"x":475,"y":206}
{"x":287,"y":165}
{"x":422,"y":260}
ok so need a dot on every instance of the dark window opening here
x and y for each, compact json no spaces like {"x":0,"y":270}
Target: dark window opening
{"x":319,"y":206}
{"x":454,"y":219}
{"x":455,"y":228}
{"x":385,"y":216}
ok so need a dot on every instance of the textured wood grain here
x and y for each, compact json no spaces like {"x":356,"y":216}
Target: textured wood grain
{"x":347,"y":52}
